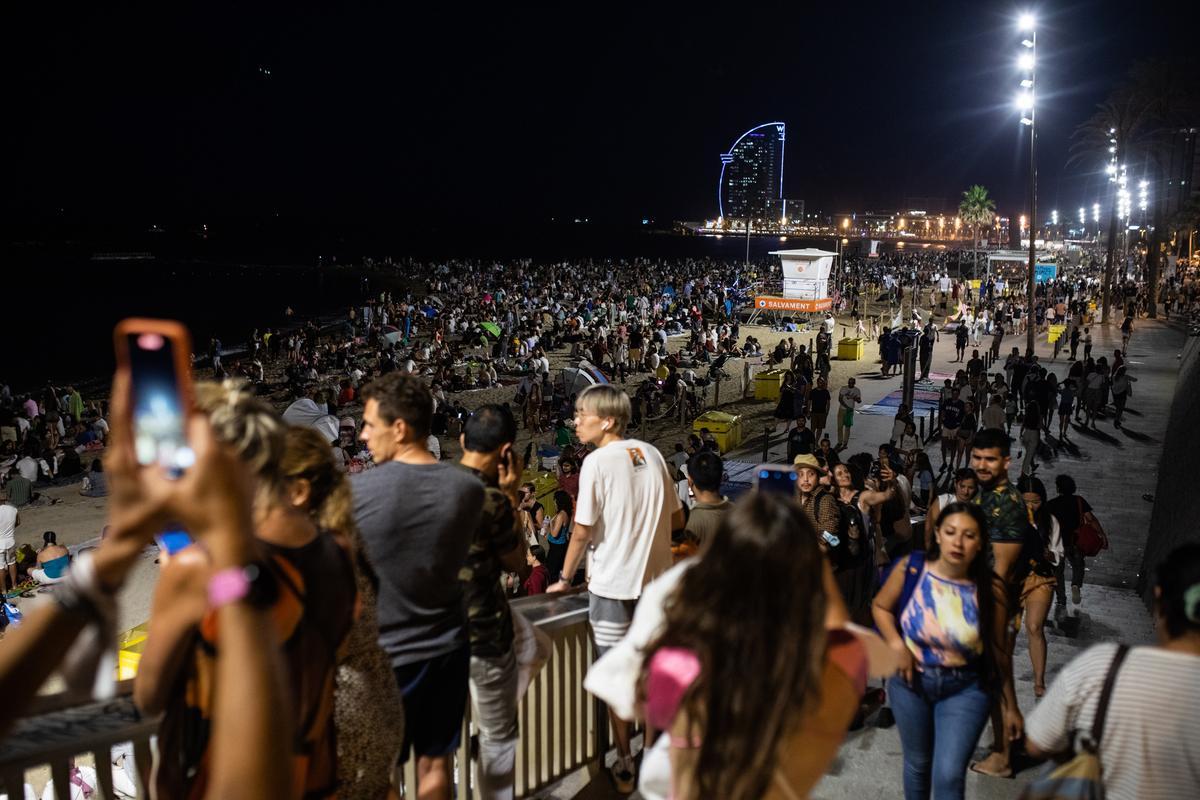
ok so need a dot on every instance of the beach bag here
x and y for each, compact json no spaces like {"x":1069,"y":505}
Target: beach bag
{"x":12,"y":615}
{"x":1089,"y":540}
{"x":1081,"y":778}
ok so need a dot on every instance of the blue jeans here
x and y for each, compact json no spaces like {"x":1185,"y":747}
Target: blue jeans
{"x":939,"y":719}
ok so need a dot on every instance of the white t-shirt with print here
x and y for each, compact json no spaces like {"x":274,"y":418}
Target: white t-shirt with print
{"x":626,"y":497}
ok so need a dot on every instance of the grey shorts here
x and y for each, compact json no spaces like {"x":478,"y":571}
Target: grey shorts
{"x":610,"y":620}
{"x":8,"y":555}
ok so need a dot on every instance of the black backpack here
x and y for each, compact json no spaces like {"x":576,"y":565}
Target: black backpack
{"x":854,"y":545}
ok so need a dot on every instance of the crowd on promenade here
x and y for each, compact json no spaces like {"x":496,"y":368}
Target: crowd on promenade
{"x":326,"y":625}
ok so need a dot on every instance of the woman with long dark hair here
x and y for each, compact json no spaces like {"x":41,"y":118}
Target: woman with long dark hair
{"x":559,"y":534}
{"x":950,"y":637}
{"x":1038,"y":564}
{"x":777,"y":706}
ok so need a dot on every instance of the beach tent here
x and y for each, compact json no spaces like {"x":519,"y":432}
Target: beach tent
{"x":307,"y":414}
{"x":578,"y":378}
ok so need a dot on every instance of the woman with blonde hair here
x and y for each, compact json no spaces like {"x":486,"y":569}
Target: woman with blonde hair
{"x":367,"y":710}
{"x":299,"y":573}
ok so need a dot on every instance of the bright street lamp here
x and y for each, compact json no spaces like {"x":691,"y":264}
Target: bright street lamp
{"x":1027,"y":62}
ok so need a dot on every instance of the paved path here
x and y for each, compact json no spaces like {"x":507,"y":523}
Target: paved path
{"x":1113,"y":470}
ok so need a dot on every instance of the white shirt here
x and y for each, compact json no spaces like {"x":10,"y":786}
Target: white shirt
{"x":829,"y":324}
{"x":627,"y":498}
{"x":8,"y":527}
{"x":1151,"y":734}
{"x":849,"y":396}
{"x":28,"y":467}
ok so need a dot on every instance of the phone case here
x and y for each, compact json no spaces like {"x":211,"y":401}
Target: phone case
{"x":168,"y":329}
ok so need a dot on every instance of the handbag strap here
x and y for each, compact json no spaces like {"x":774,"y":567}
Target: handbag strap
{"x":1110,"y":681}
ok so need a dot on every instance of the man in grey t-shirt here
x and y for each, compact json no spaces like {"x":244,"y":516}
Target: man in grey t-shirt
{"x":416,"y":517}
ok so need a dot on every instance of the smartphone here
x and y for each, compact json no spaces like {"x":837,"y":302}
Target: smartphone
{"x":172,"y":541}
{"x":156,"y":354}
{"x":775,"y":478}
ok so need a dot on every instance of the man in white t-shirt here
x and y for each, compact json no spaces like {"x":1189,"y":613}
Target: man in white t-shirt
{"x":849,"y":398}
{"x":626,"y":510}
{"x":9,"y":520}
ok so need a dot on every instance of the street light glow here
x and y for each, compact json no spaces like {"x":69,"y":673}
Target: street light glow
{"x":1026,"y":21}
{"x":1082,"y":215}
{"x":1025,"y":61}
{"x":1024,"y":101}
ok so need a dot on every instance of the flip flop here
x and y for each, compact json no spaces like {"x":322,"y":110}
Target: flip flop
{"x":974,"y":768}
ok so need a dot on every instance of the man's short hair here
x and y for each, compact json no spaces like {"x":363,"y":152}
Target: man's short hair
{"x":1065,"y":484}
{"x":489,"y":428}
{"x":606,"y":400}
{"x":992,"y":439}
{"x":705,"y":469}
{"x":402,"y":396}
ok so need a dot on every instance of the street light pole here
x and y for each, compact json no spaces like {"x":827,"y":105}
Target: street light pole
{"x":1027,"y":23}
{"x":747,"y":239}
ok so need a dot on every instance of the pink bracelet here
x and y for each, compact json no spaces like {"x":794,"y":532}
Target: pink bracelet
{"x":227,"y":586}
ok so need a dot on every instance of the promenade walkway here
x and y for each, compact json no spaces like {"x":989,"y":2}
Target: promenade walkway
{"x":1113,"y":469}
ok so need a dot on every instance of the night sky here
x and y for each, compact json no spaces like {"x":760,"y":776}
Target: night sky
{"x":520,"y":114}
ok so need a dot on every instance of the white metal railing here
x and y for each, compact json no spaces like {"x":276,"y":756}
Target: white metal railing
{"x":557,"y":718}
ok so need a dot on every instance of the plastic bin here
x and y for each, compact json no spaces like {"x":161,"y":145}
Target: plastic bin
{"x":767,"y":384}
{"x":725,"y":428}
{"x":851,"y":349}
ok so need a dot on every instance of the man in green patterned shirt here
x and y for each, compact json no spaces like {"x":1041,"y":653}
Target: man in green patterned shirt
{"x":1008,"y":520}
{"x":497,"y":545}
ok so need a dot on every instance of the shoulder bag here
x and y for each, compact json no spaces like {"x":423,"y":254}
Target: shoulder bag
{"x":1089,"y":539}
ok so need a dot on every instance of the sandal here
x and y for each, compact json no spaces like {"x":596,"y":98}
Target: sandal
{"x":975,"y":768}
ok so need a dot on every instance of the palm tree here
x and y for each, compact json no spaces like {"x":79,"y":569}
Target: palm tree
{"x":976,"y":209}
{"x":1172,"y":102}
{"x":1119,"y":122}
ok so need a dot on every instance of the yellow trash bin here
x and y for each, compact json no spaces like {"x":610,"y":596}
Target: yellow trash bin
{"x":851,"y":349}
{"x":725,"y":428}
{"x":767,"y":384}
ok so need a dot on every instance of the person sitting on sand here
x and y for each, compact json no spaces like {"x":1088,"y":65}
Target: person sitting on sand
{"x":52,"y":560}
{"x":94,"y":484}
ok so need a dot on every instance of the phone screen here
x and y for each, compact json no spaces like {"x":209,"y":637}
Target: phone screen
{"x":171,"y":542}
{"x":776,"y":479}
{"x":159,"y":436}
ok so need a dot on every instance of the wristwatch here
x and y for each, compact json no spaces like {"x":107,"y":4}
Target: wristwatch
{"x":254,"y":584}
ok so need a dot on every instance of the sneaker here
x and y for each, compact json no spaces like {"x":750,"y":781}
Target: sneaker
{"x":1075,"y":595}
{"x":623,"y":776}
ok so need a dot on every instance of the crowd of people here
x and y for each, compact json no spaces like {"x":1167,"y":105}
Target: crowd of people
{"x":348,"y":590}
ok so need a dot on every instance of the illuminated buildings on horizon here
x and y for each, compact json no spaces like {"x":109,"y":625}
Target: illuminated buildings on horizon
{"x":751,"y":181}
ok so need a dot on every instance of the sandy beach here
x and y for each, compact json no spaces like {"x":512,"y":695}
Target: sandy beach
{"x":78,"y":520}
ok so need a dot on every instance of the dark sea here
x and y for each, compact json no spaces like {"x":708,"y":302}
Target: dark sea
{"x":65,"y":289}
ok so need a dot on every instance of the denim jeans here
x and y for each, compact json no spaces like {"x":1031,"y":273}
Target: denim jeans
{"x":939,"y":718}
{"x":494,"y":710}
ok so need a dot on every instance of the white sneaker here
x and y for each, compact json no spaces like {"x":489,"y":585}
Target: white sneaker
{"x":624,"y":777}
